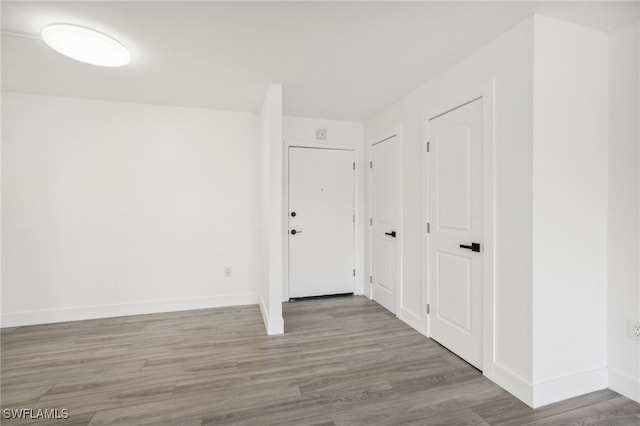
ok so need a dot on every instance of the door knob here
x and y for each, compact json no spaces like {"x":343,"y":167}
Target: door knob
{"x":473,"y":247}
{"x":294,"y":232}
{"x":391,"y":234}
{"x":293,"y":214}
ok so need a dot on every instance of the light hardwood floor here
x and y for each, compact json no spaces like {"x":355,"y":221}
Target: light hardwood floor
{"x":342,"y":361}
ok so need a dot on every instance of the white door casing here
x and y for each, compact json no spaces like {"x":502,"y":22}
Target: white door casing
{"x":455,"y":208}
{"x":384,"y":228}
{"x":321,"y":195}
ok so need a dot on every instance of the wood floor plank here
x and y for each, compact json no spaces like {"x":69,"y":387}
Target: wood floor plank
{"x":294,"y":412}
{"x":42,"y":356}
{"x":66,"y":373}
{"x":193,"y":403}
{"x":599,"y":413}
{"x":466,"y":417}
{"x":20,"y":396}
{"x":183,"y":421}
{"x":411,"y":407}
{"x":510,"y":411}
{"x":626,"y":405}
{"x":343,"y":361}
{"x":132,"y":384}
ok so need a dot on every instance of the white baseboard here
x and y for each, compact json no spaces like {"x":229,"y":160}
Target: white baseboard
{"x":624,"y":384}
{"x":276,"y":326}
{"x":569,"y":386}
{"x":550,"y":391}
{"x":511,"y":382}
{"x":76,"y":313}
{"x":273,"y":325}
{"x":412,"y":320}
{"x":265,"y":313}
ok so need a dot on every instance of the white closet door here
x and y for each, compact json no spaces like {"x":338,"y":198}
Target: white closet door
{"x":455,"y":240}
{"x":384,"y":229}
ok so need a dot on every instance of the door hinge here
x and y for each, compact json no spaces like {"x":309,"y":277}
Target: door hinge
{"x":370,"y":278}
{"x":371,"y":164}
{"x":428,"y":309}
{"x":354,"y":165}
{"x":428,"y":227}
{"x":354,"y":272}
{"x":428,"y":146}
{"x":370,"y":221}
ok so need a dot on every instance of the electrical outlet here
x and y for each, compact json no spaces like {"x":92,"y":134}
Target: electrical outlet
{"x":635,"y":330}
{"x":227,"y":271}
{"x":321,"y":134}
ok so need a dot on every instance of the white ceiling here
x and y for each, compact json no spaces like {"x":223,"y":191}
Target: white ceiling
{"x":336,"y":60}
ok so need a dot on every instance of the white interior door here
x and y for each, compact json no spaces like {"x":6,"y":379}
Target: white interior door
{"x":455,"y":214}
{"x":321,"y":222}
{"x":384,"y":227}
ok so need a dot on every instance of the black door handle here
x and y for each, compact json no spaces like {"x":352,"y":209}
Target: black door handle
{"x":391,"y":234}
{"x":473,"y":247}
{"x":294,"y":232}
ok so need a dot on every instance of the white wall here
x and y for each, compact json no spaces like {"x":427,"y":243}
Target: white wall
{"x":624,"y":211}
{"x":272,"y":209}
{"x":301,"y":131}
{"x":115,"y":208}
{"x":508,"y":60}
{"x":569,"y":210}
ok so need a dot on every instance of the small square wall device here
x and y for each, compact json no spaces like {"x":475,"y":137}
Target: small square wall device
{"x":321,"y":134}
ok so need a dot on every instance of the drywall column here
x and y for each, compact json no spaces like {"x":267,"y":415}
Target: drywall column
{"x":273,"y":213}
{"x":624,"y":211}
{"x":507,"y":61}
{"x":570,"y":133}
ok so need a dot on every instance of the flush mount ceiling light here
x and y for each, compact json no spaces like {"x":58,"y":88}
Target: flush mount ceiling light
{"x":86,"y":45}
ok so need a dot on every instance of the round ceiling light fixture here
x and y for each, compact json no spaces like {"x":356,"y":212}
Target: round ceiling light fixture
{"x":86,"y":45}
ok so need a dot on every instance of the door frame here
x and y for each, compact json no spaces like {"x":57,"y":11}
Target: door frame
{"x":486,"y":92}
{"x":358,"y":279}
{"x":381,"y":137}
